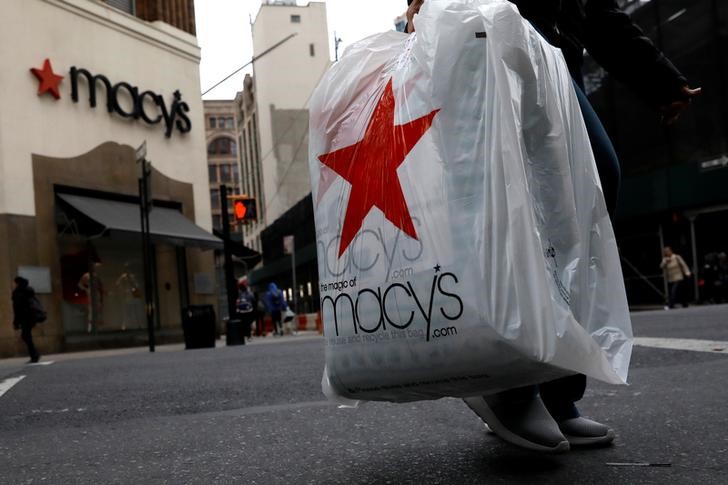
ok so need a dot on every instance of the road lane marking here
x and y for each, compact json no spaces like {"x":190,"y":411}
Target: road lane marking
{"x":8,"y":383}
{"x":695,"y":345}
{"x":45,"y":362}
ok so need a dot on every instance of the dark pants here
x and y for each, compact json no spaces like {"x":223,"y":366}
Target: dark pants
{"x":676,"y":291}
{"x":560,"y":395}
{"x":277,"y":326}
{"x":26,"y":333}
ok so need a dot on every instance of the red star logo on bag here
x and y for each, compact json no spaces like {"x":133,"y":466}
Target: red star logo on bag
{"x":370,"y":166}
{"x":48,"y":80}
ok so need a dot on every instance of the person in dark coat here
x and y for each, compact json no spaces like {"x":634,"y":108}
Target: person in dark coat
{"x":544,"y":417}
{"x":22,"y":315}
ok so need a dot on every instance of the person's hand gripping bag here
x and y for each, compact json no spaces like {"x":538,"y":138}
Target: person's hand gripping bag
{"x":464,"y":246}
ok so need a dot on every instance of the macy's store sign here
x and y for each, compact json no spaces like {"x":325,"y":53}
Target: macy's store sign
{"x":122,"y":98}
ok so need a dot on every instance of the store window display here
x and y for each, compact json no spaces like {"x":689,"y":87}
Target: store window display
{"x":102,"y":289}
{"x":129,"y":292}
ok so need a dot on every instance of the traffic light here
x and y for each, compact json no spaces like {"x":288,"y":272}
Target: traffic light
{"x":244,"y":208}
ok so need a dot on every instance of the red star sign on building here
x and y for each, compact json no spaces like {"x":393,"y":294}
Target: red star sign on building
{"x":370,"y":166}
{"x":48,"y":80}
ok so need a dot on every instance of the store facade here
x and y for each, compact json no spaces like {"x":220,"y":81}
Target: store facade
{"x":84,"y":85}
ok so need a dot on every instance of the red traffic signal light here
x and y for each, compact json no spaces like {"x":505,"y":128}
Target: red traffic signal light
{"x":244,"y":209}
{"x":240,"y":210}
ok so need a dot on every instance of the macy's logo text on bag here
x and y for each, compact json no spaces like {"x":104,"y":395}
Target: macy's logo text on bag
{"x":351,"y":307}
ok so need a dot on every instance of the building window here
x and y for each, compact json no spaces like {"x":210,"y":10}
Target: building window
{"x":215,"y":199}
{"x":217,"y":221}
{"x":212,"y":123}
{"x":222,"y":146}
{"x":212,"y":173}
{"x":236,"y":173}
{"x":311,"y":50}
{"x":123,"y":5}
{"x":225,"y":174}
{"x":295,"y":19}
{"x":229,"y":123}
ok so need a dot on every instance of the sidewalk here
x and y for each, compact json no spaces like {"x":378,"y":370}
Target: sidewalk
{"x":267,"y":340}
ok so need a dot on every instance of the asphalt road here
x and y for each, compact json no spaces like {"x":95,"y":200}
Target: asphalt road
{"x":255,"y":414}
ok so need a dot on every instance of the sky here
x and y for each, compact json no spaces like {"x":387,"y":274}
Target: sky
{"x":223,"y":33}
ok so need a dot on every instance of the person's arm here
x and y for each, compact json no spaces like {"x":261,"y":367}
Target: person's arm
{"x":663,"y":263}
{"x":621,"y":47}
{"x":412,"y":10}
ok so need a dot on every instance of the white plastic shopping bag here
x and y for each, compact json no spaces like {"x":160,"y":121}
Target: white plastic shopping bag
{"x":464,"y":246}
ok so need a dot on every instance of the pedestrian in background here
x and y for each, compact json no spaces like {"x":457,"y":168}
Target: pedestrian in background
{"x":23,"y":314}
{"x":245,"y":305}
{"x":676,"y":271}
{"x":275,"y":303}
{"x":710,"y":279}
{"x":545,"y":417}
{"x":259,"y":313}
{"x":723,"y":277}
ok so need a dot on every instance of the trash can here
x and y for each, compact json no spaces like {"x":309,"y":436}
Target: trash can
{"x":198,"y":324}
{"x":235,"y":331}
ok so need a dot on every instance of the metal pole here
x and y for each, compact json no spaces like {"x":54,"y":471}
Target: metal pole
{"x":230,"y":286}
{"x":695,"y":258}
{"x":293,"y":269}
{"x":664,"y":273}
{"x":145,"y":206}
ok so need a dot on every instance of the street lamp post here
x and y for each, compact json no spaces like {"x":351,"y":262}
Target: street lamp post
{"x":230,"y":284}
{"x":145,"y":207}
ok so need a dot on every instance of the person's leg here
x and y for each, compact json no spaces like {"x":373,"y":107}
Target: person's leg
{"x":27,"y":336}
{"x":559,"y":395}
{"x":672,"y":294}
{"x":683,"y":292}
{"x":604,"y":154}
{"x":276,"y":317}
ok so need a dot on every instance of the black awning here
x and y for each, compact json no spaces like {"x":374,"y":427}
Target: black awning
{"x":239,"y":250}
{"x":166,"y":225}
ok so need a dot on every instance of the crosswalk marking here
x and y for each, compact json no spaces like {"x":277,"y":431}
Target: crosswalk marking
{"x":714,"y":346}
{"x":8,"y":383}
{"x":45,"y":362}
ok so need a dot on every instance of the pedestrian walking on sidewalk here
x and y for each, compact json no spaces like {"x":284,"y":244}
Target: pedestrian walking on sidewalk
{"x":545,"y":417}
{"x":676,"y":272}
{"x":26,"y":314}
{"x":245,"y":305}
{"x":276,"y":304}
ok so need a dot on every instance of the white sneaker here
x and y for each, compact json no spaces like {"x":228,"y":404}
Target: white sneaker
{"x":527,"y":424}
{"x":585,"y":432}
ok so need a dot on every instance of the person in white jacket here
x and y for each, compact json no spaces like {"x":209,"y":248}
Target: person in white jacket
{"x":676,"y":271}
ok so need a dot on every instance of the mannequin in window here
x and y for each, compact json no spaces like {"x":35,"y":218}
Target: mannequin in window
{"x":128,"y":288}
{"x":92,"y":285}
